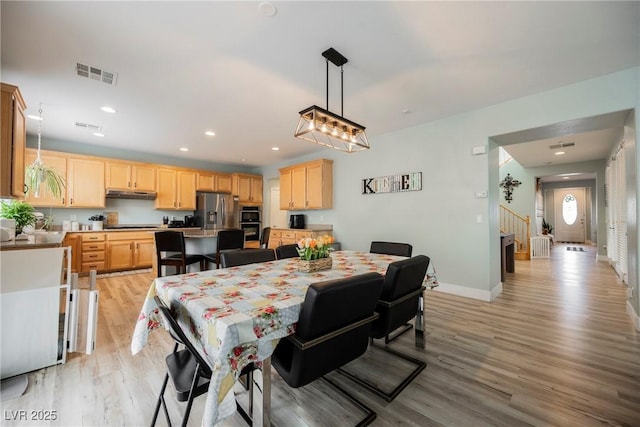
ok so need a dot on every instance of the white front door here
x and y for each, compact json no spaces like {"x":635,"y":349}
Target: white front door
{"x":569,"y":215}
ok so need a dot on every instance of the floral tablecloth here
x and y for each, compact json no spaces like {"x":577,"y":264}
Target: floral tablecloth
{"x":237,"y":315}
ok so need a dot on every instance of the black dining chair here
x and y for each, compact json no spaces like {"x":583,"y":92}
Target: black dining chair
{"x":189,"y":372}
{"x":227,"y":240}
{"x":391,"y":248}
{"x":287,"y":251}
{"x":173,"y":242}
{"x":246,"y":256}
{"x":333,"y":329}
{"x":398,"y":304}
{"x":264,"y":238}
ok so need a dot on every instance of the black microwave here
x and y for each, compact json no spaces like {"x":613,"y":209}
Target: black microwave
{"x":250,"y":214}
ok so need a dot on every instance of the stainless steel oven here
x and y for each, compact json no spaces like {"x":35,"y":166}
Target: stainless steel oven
{"x":251,"y":222}
{"x":251,"y":231}
{"x":250,"y":214}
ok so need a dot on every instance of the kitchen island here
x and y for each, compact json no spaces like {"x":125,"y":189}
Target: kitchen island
{"x":37,"y":240}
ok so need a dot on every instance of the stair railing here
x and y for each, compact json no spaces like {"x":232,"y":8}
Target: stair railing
{"x":511,"y":222}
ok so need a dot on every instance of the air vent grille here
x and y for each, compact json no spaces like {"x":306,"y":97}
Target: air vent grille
{"x":95,"y":73}
{"x":88,"y":126}
{"x":561,"y":145}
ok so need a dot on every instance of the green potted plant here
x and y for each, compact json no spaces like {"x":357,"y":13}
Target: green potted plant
{"x":37,"y":174}
{"x":546,"y":227}
{"x":21,"y":212}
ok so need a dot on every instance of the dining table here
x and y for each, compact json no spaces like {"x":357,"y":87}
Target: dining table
{"x":236,"y":316}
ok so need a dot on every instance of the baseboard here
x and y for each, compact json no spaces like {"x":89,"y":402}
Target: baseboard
{"x":634,"y":316}
{"x":602,"y":258}
{"x":464,"y":291}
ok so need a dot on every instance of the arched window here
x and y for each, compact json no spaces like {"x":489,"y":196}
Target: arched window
{"x":569,"y":209}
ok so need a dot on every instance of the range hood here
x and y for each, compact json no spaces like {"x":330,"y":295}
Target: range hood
{"x":129,"y":194}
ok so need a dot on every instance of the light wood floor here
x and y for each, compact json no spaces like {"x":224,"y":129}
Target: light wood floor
{"x":556,"y":348}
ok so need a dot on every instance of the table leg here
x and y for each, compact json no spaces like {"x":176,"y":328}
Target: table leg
{"x":419,"y":324}
{"x":264,"y":418}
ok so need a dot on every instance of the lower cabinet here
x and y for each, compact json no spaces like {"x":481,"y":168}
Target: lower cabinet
{"x":126,"y":250}
{"x":92,"y":254}
{"x":288,"y":236}
{"x":110,"y":251}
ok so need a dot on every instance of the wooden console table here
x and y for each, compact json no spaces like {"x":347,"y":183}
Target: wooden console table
{"x":508,"y":254}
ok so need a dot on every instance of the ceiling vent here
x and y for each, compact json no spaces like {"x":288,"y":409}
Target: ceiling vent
{"x":87,"y":126}
{"x":561,"y":145}
{"x":95,"y":73}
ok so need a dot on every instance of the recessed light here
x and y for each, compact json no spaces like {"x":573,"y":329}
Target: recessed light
{"x":99,"y":134}
{"x":275,"y":148}
{"x":267,"y":9}
{"x":244,"y":160}
{"x":184,"y":149}
{"x":406,"y":111}
{"x":108,"y":109}
{"x":559,"y":153}
{"x":565,"y":177}
{"x":31,"y":116}
{"x":210,"y":133}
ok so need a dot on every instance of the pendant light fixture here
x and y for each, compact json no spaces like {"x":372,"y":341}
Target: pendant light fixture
{"x":321,"y":126}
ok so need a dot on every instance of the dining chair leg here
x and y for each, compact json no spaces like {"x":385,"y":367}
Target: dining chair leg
{"x":161,"y":402}
{"x":194,"y":384}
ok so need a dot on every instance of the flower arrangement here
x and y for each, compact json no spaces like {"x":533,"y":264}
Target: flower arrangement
{"x":310,"y":249}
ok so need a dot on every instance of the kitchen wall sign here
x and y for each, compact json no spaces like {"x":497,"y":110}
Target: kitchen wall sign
{"x":392,"y":183}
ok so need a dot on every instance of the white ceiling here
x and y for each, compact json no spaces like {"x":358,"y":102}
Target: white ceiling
{"x":187,"y":67}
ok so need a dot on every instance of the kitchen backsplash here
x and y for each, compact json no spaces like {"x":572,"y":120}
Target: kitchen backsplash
{"x":130,"y":211}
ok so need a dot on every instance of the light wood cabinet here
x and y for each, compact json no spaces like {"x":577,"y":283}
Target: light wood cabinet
{"x":248,"y":188}
{"x":288,"y":236}
{"x":92,"y":255}
{"x":210,"y":181}
{"x":176,"y":189}
{"x":56,"y":161}
{"x":126,"y":176}
{"x":85,"y":183}
{"x":127,"y":250}
{"x":186,"y":190}
{"x":74,"y":240}
{"x":12,"y":142}
{"x":307,"y":186}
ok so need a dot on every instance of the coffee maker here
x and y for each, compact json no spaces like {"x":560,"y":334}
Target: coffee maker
{"x":296,"y":221}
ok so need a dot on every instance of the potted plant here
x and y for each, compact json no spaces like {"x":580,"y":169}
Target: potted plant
{"x":546,"y":227}
{"x":97,"y":221}
{"x":38,"y":173}
{"x":21,"y":212}
{"x":314,"y":254}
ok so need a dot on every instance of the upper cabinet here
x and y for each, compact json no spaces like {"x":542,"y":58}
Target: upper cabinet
{"x":248,"y":188}
{"x":307,"y":186}
{"x":56,"y":161}
{"x":176,"y":189}
{"x":13,"y":141}
{"x":85,"y":183}
{"x":211,"y":181}
{"x":128,"y":176}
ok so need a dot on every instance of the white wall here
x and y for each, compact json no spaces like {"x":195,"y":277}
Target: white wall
{"x":441,"y":220}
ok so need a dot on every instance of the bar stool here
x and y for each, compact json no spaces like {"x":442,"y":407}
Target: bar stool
{"x":173,"y":241}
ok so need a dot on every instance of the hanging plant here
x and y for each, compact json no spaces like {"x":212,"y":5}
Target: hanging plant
{"x":37,"y":173}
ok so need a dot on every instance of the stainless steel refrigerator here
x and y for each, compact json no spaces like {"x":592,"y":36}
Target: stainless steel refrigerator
{"x":216,"y":211}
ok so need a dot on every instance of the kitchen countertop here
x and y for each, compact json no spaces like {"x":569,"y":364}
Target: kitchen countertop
{"x":52,"y":239}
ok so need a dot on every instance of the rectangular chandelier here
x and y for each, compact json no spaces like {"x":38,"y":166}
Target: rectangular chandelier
{"x":323,"y":127}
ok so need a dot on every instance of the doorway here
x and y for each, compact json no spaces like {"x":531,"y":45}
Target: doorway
{"x":277,"y":217}
{"x":570,"y":214}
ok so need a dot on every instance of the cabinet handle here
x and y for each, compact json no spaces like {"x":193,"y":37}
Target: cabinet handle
{"x":63,"y":200}
{"x":135,"y":185}
{"x":130,"y":246}
{"x":71,"y":201}
{"x":92,"y":256}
